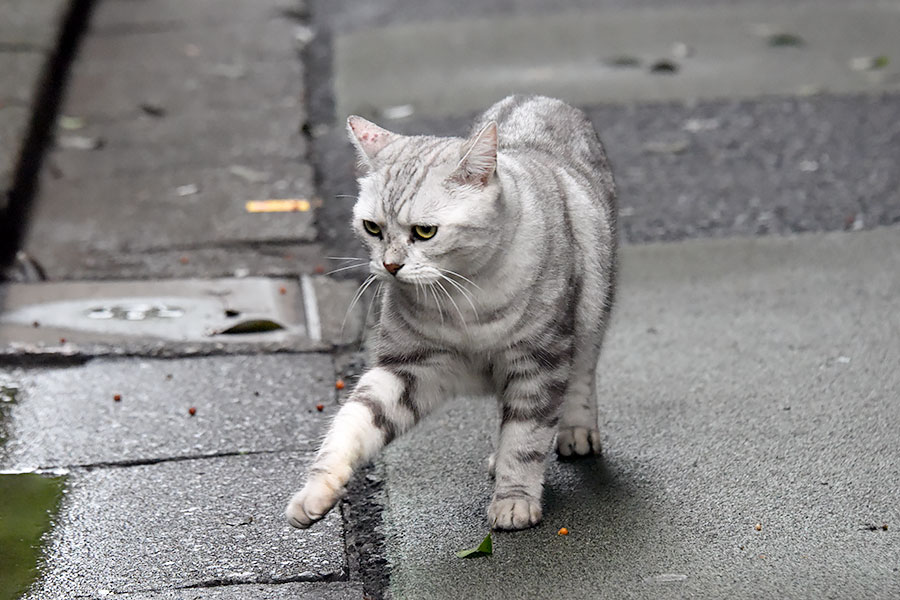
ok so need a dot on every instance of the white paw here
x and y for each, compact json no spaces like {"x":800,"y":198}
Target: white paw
{"x":577,"y":441}
{"x":311,"y":503}
{"x":492,"y":465}
{"x":514,"y":513}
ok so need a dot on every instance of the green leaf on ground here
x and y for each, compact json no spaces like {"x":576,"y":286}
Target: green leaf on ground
{"x":253,"y":326}
{"x":485,"y":548}
{"x":880,"y":62}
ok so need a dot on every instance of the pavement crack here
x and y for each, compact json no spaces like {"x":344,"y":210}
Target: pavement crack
{"x":138,"y":462}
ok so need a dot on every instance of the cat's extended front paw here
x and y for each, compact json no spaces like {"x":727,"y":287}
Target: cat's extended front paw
{"x":311,"y":503}
{"x":577,"y":441}
{"x":514,"y":513}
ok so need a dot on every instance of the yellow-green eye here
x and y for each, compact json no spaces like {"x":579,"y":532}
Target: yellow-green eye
{"x":424,"y":232}
{"x":372,"y":228}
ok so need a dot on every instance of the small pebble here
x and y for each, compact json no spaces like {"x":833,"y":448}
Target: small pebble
{"x":320,"y":407}
{"x":758,"y":527}
{"x":117,"y":397}
{"x":192,"y":411}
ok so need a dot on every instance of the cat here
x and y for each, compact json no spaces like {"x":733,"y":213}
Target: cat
{"x":498,"y":255}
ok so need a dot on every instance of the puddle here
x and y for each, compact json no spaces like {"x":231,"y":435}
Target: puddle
{"x":29,"y":507}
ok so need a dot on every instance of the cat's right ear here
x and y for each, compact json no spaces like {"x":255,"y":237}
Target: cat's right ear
{"x":369,"y":139}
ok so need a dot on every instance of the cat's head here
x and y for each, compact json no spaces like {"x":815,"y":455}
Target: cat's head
{"x":427,"y":206}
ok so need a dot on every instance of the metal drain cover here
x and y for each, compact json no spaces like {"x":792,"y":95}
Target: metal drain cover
{"x":131,"y":316}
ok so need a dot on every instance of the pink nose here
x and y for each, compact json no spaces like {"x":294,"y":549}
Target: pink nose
{"x":392,"y":267}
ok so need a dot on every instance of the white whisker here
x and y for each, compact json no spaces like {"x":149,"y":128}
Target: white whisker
{"x":437,"y":302}
{"x":463,"y":277}
{"x":453,"y":302}
{"x":359,"y":293}
{"x":362,"y":264}
{"x":464,"y":292}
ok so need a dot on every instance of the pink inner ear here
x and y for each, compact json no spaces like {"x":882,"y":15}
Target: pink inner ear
{"x":370,"y":138}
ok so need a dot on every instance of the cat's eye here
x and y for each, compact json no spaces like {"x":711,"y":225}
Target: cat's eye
{"x":372,"y":228}
{"x":424,"y":232}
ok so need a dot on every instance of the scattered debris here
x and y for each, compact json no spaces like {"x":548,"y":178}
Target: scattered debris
{"x":874,"y":527}
{"x":62,"y":340}
{"x":70,"y":123}
{"x":319,"y":270}
{"x":781,"y":40}
{"x":282,"y":290}
{"x":320,"y":407}
{"x":184,"y":260}
{"x":80,"y":142}
{"x":682,"y":50}
{"x":485,"y":548}
{"x":303,"y":35}
{"x":869,"y":63}
{"x":251,"y":326}
{"x":281,"y":205}
{"x":758,"y":527}
{"x":401,"y":111}
{"x":36,"y":324}
{"x":624,"y":61}
{"x":667,"y":147}
{"x":249,"y":175}
{"x":664,"y":66}
{"x":192,"y":411}
{"x":562,"y":531}
{"x":238,"y":521}
{"x":339,"y":384}
{"x":187,"y":190}
{"x":152,"y":109}
{"x":117,"y":398}
{"x":695,"y":125}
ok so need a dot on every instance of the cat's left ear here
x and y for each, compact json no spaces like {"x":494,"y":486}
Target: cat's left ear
{"x":369,"y":139}
{"x":479,"y":158}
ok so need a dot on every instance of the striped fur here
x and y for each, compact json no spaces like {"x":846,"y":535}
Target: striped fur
{"x":512,"y":294}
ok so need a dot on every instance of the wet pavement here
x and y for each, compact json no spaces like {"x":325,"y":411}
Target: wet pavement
{"x":749,"y":380}
{"x":748,"y":413}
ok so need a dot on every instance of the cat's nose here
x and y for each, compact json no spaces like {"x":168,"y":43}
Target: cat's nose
{"x":392,"y":267}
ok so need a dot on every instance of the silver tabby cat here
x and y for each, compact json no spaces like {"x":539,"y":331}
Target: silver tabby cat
{"x":499,"y":257}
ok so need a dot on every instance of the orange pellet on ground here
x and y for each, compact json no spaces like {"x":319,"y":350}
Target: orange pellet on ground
{"x":192,"y":411}
{"x":117,"y":397}
{"x":62,"y":340}
{"x":184,"y":260}
{"x":563,"y":531}
{"x":282,"y":290}
{"x":320,"y":407}
{"x":319,"y":270}
{"x":339,"y":384}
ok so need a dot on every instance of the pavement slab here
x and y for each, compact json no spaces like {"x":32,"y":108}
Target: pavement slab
{"x":244,"y":404}
{"x":20,"y":73}
{"x":115,"y":17}
{"x":284,"y":591}
{"x":187,"y":207}
{"x":207,"y":522}
{"x":260,"y":259}
{"x":749,"y":419}
{"x":589,"y":57}
{"x":249,"y":65}
{"x":31,"y":24}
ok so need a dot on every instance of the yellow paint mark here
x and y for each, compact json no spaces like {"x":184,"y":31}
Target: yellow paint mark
{"x":283,"y":205}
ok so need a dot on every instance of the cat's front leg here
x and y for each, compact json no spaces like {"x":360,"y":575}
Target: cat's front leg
{"x":530,"y":408}
{"x":373,"y":415}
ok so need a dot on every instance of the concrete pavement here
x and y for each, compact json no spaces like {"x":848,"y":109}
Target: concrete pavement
{"x":745,"y":382}
{"x":749,"y":381}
